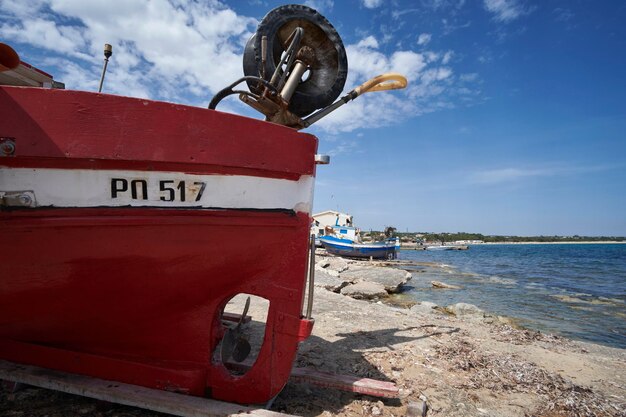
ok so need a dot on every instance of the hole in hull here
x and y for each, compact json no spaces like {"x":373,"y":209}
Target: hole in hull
{"x":243,"y":320}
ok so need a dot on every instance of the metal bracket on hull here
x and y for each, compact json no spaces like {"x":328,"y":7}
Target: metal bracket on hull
{"x":7,"y":146}
{"x":322,"y":159}
{"x":17,"y":199}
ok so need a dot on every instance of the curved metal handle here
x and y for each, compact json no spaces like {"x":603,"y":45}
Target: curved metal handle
{"x":383,"y":82}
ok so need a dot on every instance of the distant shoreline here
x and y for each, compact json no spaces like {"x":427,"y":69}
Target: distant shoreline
{"x":603,"y":242}
{"x":608,"y":242}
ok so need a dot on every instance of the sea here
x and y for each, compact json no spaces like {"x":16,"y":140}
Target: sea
{"x":573,"y":290}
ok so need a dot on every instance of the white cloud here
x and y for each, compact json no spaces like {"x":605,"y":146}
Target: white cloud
{"x":366,"y":61}
{"x":372,"y":4}
{"x":408,"y":63}
{"x":443,"y":4}
{"x":424,"y":38}
{"x":368,"y":42}
{"x":452,"y":25}
{"x":506,"y":10}
{"x":46,"y":34}
{"x":563,"y":15}
{"x":344,"y":147}
{"x":320,"y":5}
{"x":431,"y":56}
{"x":469,"y":77}
{"x":161,"y":49}
{"x":511,"y":174}
{"x":185,"y":51}
{"x":496,"y":176}
{"x":432,"y":86}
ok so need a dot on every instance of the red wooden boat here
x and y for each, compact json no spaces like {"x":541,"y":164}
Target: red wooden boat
{"x":128,"y":224}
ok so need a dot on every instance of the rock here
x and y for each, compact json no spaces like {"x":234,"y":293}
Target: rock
{"x":404,"y":393}
{"x":327,"y":271}
{"x":391,"y":279}
{"x":424,"y":307}
{"x":364,"y":290}
{"x":443,"y":285}
{"x":464,"y":309}
{"x":417,"y":409}
{"x":329,"y":281}
{"x":337,"y":264}
{"x":322,"y":263}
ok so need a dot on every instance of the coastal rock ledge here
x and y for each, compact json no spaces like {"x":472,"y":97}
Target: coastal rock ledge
{"x":391,"y":279}
{"x":365,"y":291}
{"x":465,"y":309}
{"x":443,"y":285}
{"x":425,"y":307}
{"x":329,"y":281}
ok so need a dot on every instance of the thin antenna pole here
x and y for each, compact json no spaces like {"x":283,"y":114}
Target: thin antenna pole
{"x":108,"y":51}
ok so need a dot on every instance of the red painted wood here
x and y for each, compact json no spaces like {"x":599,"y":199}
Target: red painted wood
{"x":53,"y":123}
{"x":147,"y":285}
{"x":135,"y":294}
{"x":103,"y":164}
{"x":348,"y":383}
{"x":368,"y":386}
{"x":185,"y":378}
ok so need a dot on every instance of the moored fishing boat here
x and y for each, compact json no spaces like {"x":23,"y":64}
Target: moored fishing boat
{"x":129,"y":224}
{"x":351,"y":249}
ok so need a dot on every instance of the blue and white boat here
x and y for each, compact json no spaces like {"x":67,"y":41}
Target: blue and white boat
{"x":348,"y":233}
{"x":396,"y":241}
{"x":351,"y":249}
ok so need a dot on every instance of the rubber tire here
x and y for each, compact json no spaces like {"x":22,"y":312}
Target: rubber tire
{"x":327,"y":78}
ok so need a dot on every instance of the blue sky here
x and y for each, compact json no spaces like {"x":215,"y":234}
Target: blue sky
{"x":514,"y":120}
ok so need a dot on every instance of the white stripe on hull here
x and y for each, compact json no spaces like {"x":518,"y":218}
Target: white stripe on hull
{"x":117,"y":188}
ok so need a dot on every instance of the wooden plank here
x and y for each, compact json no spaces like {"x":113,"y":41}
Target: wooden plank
{"x":348,"y":383}
{"x":133,"y":395}
{"x":366,"y":386}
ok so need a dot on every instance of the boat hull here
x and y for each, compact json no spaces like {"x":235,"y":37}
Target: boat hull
{"x":115,"y":265}
{"x":342,"y":247}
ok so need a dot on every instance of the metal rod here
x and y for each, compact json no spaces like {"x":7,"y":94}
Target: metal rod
{"x":288,"y":57}
{"x":309,"y":306}
{"x":293,"y":81}
{"x":327,"y":110}
{"x":263,"y":55}
{"x":108,"y":51}
{"x":104,"y":70}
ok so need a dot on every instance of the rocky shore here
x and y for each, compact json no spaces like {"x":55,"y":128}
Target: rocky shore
{"x":457,"y":359}
{"x":448,"y":360}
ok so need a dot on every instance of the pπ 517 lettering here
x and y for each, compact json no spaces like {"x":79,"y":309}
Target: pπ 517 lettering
{"x":167,"y":190}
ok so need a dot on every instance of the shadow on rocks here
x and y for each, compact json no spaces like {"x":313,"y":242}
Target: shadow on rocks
{"x":345,"y":356}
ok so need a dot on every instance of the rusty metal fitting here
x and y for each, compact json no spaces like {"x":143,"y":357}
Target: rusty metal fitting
{"x":306,"y":54}
{"x":7,"y":146}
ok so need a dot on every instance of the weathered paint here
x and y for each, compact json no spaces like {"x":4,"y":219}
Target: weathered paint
{"x":133,"y":293}
{"x":118,"y":188}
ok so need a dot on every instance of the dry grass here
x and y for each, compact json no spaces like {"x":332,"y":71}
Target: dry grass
{"x":509,"y":373}
{"x":520,"y":336}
